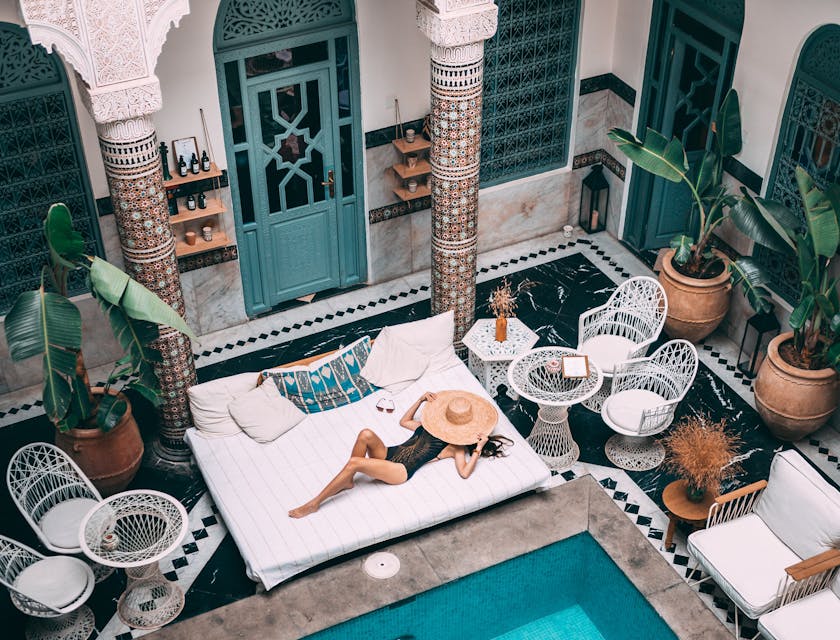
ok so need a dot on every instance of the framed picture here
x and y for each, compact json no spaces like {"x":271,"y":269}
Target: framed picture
{"x":184,"y":147}
{"x":575,"y":366}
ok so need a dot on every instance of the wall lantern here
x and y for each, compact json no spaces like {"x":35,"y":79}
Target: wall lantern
{"x":759,"y":330}
{"x":594,"y":198}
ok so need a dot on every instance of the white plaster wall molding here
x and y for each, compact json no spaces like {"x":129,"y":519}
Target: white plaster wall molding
{"x":476,"y":23}
{"x":125,"y":102}
{"x":107,"y":42}
{"x":463,"y":54}
{"x":127,"y":130}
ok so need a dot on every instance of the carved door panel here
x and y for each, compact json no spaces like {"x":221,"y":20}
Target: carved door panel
{"x":294,"y":167}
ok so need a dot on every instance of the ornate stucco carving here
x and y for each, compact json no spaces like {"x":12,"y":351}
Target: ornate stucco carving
{"x":113,"y":46}
{"x":472,"y":22}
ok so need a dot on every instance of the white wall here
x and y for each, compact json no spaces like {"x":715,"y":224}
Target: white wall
{"x":630,"y":44}
{"x":187,"y":73}
{"x":597,"y":37}
{"x":393,"y":61}
{"x":766,"y":61}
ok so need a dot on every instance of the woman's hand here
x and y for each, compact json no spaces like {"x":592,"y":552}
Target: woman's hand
{"x":482,"y":440}
{"x":428,"y":397}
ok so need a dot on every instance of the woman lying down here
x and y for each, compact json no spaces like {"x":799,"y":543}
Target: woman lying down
{"x":454,"y":424}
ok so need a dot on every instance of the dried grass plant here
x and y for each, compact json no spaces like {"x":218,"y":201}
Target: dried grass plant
{"x":503,"y":298}
{"x":701,"y":452}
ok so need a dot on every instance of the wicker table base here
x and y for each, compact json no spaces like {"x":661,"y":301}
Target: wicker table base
{"x":552,"y":439}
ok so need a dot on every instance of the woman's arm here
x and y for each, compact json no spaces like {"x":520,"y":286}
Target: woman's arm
{"x":465,"y":468}
{"x":408,"y":421}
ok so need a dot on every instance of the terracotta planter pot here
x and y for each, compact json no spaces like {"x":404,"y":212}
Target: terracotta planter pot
{"x":110,"y":459}
{"x":695,"y":306}
{"x":793,"y":402}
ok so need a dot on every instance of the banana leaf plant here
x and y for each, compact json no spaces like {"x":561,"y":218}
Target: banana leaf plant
{"x":814,"y":243}
{"x":711,"y":201}
{"x":45,"y":322}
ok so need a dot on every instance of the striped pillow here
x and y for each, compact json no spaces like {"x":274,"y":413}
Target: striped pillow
{"x":327,"y":383}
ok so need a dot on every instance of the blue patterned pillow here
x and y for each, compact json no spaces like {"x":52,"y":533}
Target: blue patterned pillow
{"x":327,"y":383}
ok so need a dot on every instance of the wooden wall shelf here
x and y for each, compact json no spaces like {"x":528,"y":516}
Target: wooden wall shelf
{"x":405,"y":195}
{"x":420,"y":144}
{"x":178,"y":181}
{"x":182,"y":249}
{"x":214,"y":207}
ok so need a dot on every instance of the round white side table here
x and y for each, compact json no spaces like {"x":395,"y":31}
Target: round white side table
{"x":134,"y":530}
{"x":531,"y":376}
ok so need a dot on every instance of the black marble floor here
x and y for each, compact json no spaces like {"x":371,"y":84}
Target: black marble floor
{"x":562,"y":290}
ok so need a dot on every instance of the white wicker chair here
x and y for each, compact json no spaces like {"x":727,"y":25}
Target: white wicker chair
{"x":52,"y":590}
{"x":53,"y":495}
{"x":644,"y":396}
{"x":622,"y":329}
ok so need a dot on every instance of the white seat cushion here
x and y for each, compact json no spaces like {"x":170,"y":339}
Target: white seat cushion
{"x":56,"y":581}
{"x":745,"y":559}
{"x":393,"y":364}
{"x":625,"y":408}
{"x":607,"y":351}
{"x":209,"y":403}
{"x":816,"y":617}
{"x":264,"y":413}
{"x":60,"y":525}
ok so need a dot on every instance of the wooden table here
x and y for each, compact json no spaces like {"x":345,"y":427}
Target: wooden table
{"x":681,"y":509}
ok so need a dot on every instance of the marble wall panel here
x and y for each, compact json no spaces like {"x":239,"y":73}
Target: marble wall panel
{"x":111,"y":240}
{"x":591,"y":126}
{"x":219,"y":300}
{"x":391,"y":249}
{"x":381,"y":179}
{"x":421,"y":240}
{"x":523,"y":210}
{"x":617,"y":114}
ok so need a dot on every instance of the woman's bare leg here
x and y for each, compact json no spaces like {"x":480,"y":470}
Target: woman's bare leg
{"x":369,"y":444}
{"x":384,"y":470}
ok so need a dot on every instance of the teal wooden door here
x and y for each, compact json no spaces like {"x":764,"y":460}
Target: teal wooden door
{"x":690,"y":66}
{"x":293,"y":163}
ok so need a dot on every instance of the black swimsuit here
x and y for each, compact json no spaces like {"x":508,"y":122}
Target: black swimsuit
{"x":419,"y":449}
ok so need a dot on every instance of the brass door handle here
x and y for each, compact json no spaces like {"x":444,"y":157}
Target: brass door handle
{"x":330,"y":182}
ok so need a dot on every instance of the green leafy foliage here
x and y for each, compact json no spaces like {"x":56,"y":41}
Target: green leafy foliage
{"x":682,"y":248}
{"x":746,"y":272}
{"x":655,"y":153}
{"x":46,"y":323}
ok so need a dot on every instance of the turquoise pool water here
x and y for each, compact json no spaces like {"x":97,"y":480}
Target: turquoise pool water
{"x":570,"y":590}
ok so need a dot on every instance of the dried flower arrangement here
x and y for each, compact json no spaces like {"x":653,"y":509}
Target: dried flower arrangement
{"x":503,"y":298}
{"x":701,"y":452}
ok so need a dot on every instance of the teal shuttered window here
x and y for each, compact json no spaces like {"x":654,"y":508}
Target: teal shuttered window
{"x":529,"y":71}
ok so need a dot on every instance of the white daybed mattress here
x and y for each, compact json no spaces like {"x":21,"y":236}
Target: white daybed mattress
{"x":254,"y":485}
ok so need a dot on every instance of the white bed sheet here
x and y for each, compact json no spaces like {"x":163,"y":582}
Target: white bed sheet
{"x":254,"y":485}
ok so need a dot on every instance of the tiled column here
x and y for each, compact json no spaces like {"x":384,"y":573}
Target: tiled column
{"x":457,"y":29}
{"x":132,"y":164}
{"x":113,"y":46}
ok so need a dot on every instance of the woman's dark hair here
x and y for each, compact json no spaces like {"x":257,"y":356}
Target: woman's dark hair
{"x":493,"y":448}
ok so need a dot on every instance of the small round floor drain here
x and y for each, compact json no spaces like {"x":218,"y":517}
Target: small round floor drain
{"x":382,"y":565}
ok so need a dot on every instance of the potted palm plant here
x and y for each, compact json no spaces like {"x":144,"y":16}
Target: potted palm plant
{"x":796,"y":390}
{"x":94,"y":425}
{"x":697,"y":278}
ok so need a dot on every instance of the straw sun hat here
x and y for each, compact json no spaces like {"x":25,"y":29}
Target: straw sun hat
{"x":457,"y":417}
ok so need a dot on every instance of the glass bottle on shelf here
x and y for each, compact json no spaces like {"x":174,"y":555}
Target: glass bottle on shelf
{"x":202,"y":200}
{"x":194,"y":164}
{"x":182,"y":166}
{"x":191,"y":202}
{"x":205,"y":161}
{"x":173,"y":203}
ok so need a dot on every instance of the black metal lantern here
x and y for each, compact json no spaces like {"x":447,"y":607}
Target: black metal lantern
{"x":594,"y":198}
{"x":759,"y":330}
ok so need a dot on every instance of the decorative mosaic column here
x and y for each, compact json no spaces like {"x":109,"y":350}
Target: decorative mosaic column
{"x":132,"y":164}
{"x":113,"y":46}
{"x":457,"y":29}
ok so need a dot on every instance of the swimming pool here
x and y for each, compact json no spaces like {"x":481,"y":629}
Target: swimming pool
{"x":569,"y":590}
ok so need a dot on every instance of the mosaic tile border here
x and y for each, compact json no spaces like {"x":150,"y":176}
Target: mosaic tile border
{"x":611,"y":82}
{"x":600,"y":156}
{"x":208,"y":258}
{"x":391,"y":211}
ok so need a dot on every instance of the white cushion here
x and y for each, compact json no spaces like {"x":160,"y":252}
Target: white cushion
{"x":801,"y":508}
{"x":209,"y":403}
{"x":607,"y":351}
{"x":816,"y":617}
{"x":393,"y":363}
{"x":745,"y":559}
{"x":56,"y":581}
{"x":264,"y":413}
{"x":433,"y":338}
{"x":625,"y":408}
{"x":60,"y":525}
